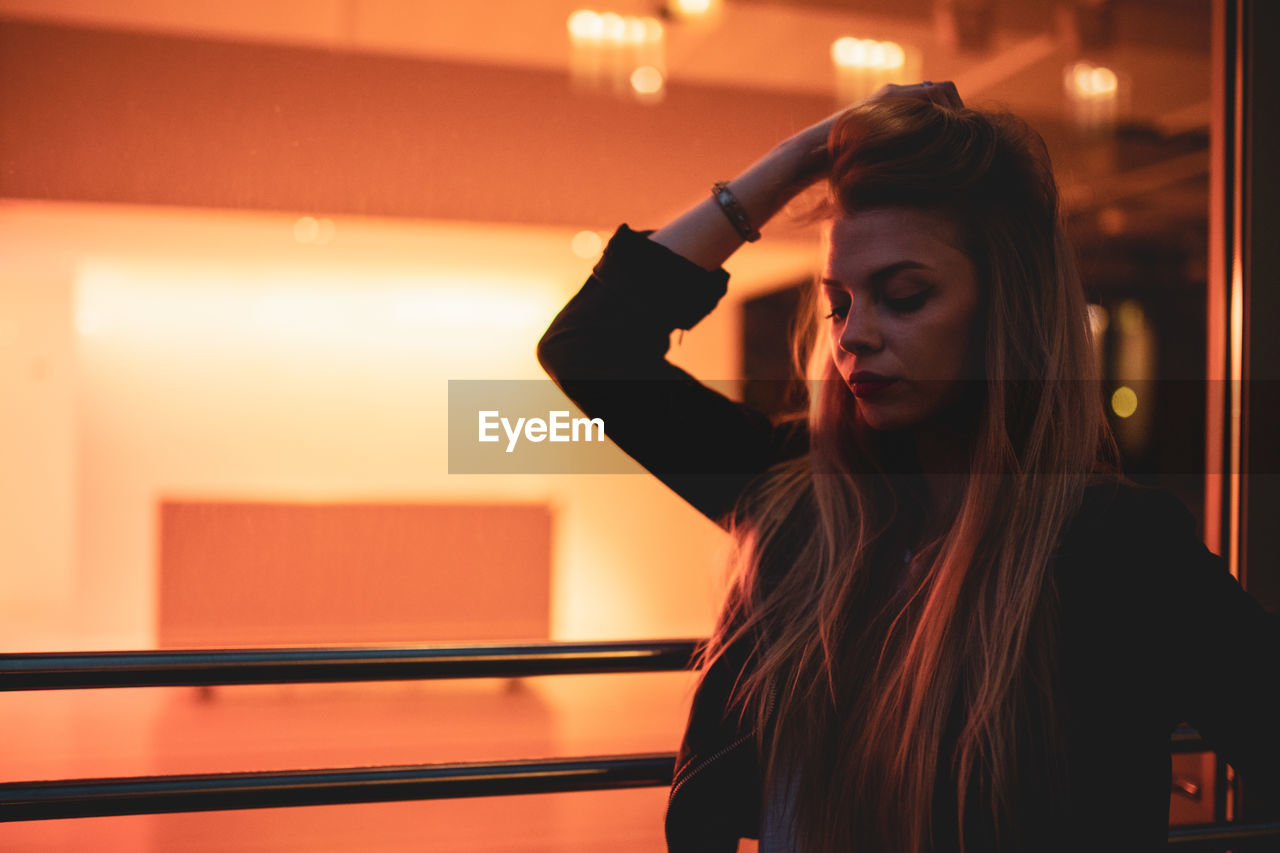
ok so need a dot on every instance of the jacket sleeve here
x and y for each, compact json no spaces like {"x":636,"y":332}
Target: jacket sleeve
{"x":606,"y":350}
{"x":1226,"y":647}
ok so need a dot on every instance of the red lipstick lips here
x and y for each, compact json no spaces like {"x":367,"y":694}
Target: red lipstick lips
{"x":867,"y":384}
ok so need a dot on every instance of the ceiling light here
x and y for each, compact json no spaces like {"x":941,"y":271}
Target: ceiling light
{"x":1093,"y":91}
{"x":864,"y":65}
{"x":585,"y":25}
{"x":611,"y":52}
{"x":867,"y":54}
{"x":693,"y":10}
{"x":1090,"y":81}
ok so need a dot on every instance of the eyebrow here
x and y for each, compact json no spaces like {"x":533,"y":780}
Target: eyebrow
{"x":882,"y":275}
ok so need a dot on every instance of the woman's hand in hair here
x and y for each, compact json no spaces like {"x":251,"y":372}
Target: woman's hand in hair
{"x":812,"y":141}
{"x":704,"y":235}
{"x":943,"y":93}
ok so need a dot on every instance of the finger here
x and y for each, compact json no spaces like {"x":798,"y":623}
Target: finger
{"x":944,"y":93}
{"x":925,"y":90}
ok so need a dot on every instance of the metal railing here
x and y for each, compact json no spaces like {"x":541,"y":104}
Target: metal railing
{"x":217,"y":791}
{"x":79,"y":670}
{"x":69,"y":798}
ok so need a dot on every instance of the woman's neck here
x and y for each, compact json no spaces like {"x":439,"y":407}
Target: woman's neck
{"x":943,"y":453}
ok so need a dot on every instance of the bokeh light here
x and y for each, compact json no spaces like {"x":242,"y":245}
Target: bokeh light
{"x":1088,"y":82}
{"x":1124,"y":401}
{"x":586,"y":244}
{"x":585,"y":25}
{"x":647,"y":80}
{"x":849,"y":52}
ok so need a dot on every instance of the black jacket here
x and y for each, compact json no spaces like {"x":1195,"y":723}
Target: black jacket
{"x":1153,"y":629}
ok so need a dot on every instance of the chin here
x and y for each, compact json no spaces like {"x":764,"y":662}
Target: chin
{"x":882,"y":418}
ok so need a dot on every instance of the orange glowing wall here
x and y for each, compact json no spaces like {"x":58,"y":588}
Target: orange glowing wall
{"x":168,"y":333}
{"x":187,"y":356}
{"x":248,"y":573}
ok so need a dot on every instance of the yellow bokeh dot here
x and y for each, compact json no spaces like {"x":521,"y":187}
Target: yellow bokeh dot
{"x":646,"y":80}
{"x":586,"y":244}
{"x":1124,"y":401}
{"x":306,"y":229}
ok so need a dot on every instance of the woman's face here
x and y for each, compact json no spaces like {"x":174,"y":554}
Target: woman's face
{"x":904,"y":305}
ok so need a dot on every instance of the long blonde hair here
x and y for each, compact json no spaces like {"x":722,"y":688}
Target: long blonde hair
{"x":885,"y":699}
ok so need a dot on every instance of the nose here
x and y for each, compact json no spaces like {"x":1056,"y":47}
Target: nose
{"x":861,"y":331}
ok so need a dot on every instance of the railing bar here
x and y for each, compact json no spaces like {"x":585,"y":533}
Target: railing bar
{"x":177,"y":668}
{"x":21,"y":801}
{"x":207,"y":667}
{"x":24,"y":801}
{"x":1239,"y":836}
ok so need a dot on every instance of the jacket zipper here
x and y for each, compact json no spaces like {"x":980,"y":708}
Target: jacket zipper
{"x":702,"y":765}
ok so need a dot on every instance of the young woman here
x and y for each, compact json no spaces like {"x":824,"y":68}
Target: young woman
{"x":952,"y":625}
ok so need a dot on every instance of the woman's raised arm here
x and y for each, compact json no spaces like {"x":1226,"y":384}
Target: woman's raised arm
{"x":606,"y":350}
{"x":607,"y":347}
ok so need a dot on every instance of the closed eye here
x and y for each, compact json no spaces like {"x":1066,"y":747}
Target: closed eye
{"x":908,"y":304}
{"x":900,"y":305}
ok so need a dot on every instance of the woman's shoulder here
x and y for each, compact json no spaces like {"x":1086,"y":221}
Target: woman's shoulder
{"x":1114,"y":502}
{"x":1126,"y":532}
